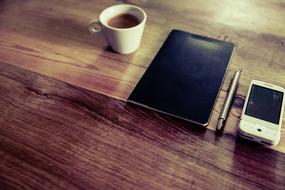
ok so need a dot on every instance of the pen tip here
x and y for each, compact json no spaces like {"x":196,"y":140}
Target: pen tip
{"x":220,"y":124}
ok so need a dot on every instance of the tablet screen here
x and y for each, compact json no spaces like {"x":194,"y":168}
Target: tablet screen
{"x":185,"y":77}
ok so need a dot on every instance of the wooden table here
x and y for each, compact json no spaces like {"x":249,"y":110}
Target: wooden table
{"x":54,"y":135}
{"x":58,"y":136}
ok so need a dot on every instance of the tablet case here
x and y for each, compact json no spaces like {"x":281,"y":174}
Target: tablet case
{"x":185,"y":77}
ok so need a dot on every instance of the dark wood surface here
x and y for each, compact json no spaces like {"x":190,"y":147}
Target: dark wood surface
{"x":57,"y":136}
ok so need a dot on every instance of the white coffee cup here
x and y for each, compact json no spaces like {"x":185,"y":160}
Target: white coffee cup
{"x":122,"y":40}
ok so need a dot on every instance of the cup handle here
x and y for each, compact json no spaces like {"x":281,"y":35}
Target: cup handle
{"x":95,"y":26}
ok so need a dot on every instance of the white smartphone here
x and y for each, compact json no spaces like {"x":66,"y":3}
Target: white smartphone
{"x":261,"y":118}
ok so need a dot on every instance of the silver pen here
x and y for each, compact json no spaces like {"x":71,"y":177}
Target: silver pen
{"x":229,"y":98}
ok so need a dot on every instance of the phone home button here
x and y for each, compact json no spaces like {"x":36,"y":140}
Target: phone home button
{"x":259,"y":130}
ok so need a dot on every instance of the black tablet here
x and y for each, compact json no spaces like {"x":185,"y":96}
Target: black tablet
{"x":185,"y":77}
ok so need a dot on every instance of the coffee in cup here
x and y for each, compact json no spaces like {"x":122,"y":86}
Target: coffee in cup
{"x":123,"y":21}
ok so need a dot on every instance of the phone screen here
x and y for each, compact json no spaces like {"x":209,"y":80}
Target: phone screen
{"x":264,"y":104}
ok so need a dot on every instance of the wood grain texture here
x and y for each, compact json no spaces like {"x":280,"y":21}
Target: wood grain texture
{"x":51,"y":38}
{"x":57,"y":136}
